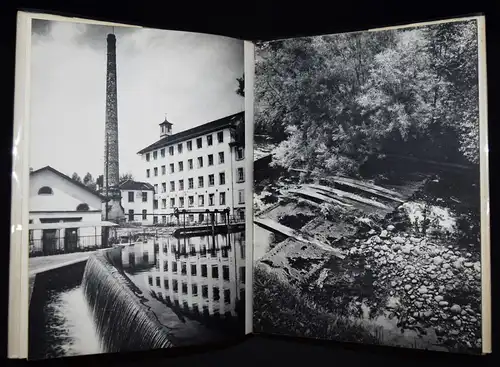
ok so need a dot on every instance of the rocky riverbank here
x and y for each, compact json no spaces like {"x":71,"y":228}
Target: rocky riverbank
{"x":422,"y":285}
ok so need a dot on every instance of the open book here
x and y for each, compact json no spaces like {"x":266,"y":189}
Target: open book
{"x":173,"y":189}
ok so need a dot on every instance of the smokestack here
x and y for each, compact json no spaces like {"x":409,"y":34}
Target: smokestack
{"x":111,"y":178}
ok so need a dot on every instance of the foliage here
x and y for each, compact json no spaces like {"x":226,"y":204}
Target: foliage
{"x":241,"y":86}
{"x":334,"y":101}
{"x":88,"y":181}
{"x":280,"y":308}
{"x":76,"y":177}
{"x":125,"y":177}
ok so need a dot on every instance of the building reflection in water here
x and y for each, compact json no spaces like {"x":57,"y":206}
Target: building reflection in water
{"x":194,"y":275}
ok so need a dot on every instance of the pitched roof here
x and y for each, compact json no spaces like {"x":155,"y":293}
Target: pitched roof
{"x":60,"y":174}
{"x":195,"y":132}
{"x":135,"y":185}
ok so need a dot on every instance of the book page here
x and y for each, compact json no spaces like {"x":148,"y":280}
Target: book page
{"x":135,"y":203}
{"x":371,"y":219}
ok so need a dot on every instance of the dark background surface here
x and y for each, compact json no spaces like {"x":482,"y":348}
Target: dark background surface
{"x":255,"y":20}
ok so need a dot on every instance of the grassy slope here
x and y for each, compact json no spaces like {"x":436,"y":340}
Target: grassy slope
{"x":280,"y":309}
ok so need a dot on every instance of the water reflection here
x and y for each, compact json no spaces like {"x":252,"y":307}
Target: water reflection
{"x":195,"y":276}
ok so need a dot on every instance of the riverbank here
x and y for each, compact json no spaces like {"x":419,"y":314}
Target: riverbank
{"x":415,"y":273}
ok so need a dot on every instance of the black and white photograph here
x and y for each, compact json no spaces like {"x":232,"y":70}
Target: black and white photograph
{"x":367,"y":197}
{"x":136,"y":189}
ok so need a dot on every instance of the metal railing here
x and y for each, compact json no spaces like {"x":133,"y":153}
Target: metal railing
{"x":57,"y":245}
{"x":183,"y":219}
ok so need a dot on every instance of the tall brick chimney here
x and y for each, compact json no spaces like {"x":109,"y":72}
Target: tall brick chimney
{"x":111,"y":177}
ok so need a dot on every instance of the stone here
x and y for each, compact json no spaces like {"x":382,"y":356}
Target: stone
{"x":406,"y":249}
{"x":468,"y":254}
{"x":427,"y":313}
{"x":439,"y":331}
{"x":477,"y":266}
{"x":438,"y":260}
{"x":455,"y":308}
{"x":384,"y":234}
{"x":398,"y":239}
{"x":376,"y":239}
{"x":446,"y":266}
{"x":414,"y":281}
{"x":414,"y":239}
{"x":457,"y":264}
{"x":473,"y":319}
{"x":418,"y":304}
{"x":372,"y":232}
{"x":443,"y":303}
{"x":468,"y":264}
{"x":422,"y":290}
{"x":454,"y":332}
{"x":390,"y":227}
{"x":407,"y":287}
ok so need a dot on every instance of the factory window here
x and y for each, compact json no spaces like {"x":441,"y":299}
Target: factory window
{"x":171,"y":150}
{"x":199,"y":142}
{"x":45,"y":190}
{"x":239,"y":154}
{"x":172,"y":168}
{"x":222,"y":198}
{"x":200,"y":182}
{"x":241,"y":175}
{"x":162,"y":152}
{"x":190,"y":183}
{"x":181,"y":166}
{"x":163,"y":170}
{"x":209,"y":140}
{"x":221,"y":157}
{"x":181,"y":185}
{"x":155,"y":154}
{"x":189,"y":145}
{"x":144,"y":214}
{"x":156,"y":171}
{"x":200,"y":162}
{"x":222,"y":178}
{"x":210,"y":159}
{"x":147,"y":157}
{"x":145,"y":196}
{"x":130,"y":196}
{"x":82,"y":207}
{"x":179,"y":148}
{"x":211,"y":180}
{"x":147,"y":173}
{"x":220,"y":136}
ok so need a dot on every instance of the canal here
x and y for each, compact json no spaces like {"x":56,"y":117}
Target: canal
{"x":194,"y":287}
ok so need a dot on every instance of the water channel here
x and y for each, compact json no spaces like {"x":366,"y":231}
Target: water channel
{"x":194,"y":287}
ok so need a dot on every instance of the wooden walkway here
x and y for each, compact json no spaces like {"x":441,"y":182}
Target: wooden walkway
{"x":276,"y":227}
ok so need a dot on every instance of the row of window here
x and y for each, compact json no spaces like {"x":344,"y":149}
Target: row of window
{"x":194,"y":289}
{"x":201,"y":200}
{"x":189,"y":146}
{"x":193,"y":272}
{"x":191,"y":218}
{"x":190,"y":164}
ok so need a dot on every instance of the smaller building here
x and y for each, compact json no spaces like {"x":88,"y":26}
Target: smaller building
{"x":137,"y":201}
{"x":64,"y":214}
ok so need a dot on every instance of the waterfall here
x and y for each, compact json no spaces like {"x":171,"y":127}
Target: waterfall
{"x":123,"y":322}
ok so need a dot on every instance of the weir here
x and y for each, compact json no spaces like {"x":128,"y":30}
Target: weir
{"x":123,"y":322}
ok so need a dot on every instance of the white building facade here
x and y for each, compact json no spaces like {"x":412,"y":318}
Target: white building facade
{"x":198,"y":169}
{"x":55,"y":201}
{"x":137,"y":201}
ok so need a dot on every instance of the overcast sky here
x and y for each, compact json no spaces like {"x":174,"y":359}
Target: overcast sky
{"x":187,"y":76}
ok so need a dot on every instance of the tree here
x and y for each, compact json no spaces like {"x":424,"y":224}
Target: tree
{"x":241,"y":86}
{"x":76,"y":177}
{"x":126,"y":176}
{"x":88,"y":181}
{"x":332,"y":102}
{"x":100,"y":181}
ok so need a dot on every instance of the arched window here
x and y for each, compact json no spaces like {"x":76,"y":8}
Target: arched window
{"x":45,"y":190}
{"x":82,"y":207}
